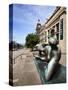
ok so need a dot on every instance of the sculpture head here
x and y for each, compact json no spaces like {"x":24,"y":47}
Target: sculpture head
{"x":53,"y":40}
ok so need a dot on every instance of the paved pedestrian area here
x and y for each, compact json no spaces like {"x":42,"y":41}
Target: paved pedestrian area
{"x":25,"y":71}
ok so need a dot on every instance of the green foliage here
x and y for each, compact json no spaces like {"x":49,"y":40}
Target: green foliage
{"x":31,"y":40}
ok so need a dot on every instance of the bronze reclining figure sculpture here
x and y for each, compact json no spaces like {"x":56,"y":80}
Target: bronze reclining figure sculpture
{"x":52,"y":55}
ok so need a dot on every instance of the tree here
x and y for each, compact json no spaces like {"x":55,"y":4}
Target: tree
{"x":31,"y":40}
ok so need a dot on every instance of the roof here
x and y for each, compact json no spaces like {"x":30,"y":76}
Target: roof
{"x":56,"y":10}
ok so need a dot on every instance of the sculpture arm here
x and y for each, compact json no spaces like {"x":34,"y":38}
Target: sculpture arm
{"x":52,"y":64}
{"x":50,"y":69}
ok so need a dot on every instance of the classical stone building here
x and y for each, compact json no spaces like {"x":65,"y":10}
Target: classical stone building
{"x":55,"y":24}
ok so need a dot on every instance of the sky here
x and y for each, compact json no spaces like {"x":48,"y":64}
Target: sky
{"x":25,"y":18}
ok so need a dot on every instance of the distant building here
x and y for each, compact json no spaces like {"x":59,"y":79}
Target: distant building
{"x":38,"y":27}
{"x":55,"y":24}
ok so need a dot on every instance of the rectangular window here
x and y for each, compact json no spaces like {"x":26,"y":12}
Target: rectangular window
{"x":57,"y":31}
{"x":61,"y":29}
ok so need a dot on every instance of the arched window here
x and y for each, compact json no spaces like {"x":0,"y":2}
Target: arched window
{"x":52,"y":32}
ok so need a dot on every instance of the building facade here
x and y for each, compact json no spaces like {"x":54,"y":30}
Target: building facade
{"x":55,"y":24}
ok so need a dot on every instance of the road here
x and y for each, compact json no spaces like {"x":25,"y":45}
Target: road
{"x":24,"y":69}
